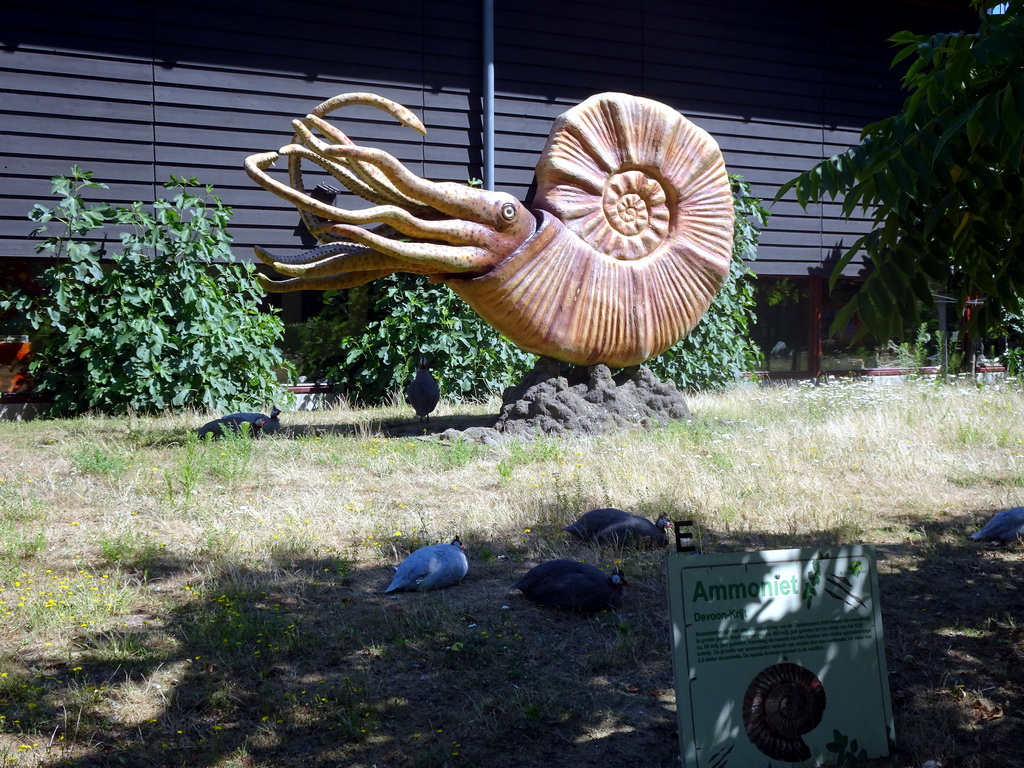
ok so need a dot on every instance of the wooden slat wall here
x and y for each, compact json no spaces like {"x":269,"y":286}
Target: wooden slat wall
{"x":136,"y":92}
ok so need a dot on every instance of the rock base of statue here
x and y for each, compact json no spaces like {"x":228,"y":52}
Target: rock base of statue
{"x":559,"y":399}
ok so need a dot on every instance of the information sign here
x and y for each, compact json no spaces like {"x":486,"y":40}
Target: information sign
{"x":779,"y":657}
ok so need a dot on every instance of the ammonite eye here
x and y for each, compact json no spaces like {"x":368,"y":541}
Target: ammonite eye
{"x":782,"y":703}
{"x":508,"y":211}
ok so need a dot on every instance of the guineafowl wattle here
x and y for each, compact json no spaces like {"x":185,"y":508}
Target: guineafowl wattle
{"x":616,"y":527}
{"x":423,"y":393}
{"x":1007,"y":525}
{"x":433,"y":567}
{"x":573,"y":585}
{"x":258,"y":424}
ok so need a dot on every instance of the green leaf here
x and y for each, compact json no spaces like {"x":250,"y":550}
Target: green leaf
{"x":953,"y":128}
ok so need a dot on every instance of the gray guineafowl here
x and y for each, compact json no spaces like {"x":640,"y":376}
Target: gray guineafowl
{"x":1007,"y":525}
{"x":258,"y":424}
{"x":423,"y":393}
{"x":616,"y":527}
{"x":433,"y":567}
{"x":573,"y":585}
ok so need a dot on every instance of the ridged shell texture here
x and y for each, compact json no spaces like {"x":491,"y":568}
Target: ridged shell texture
{"x":637,"y":243}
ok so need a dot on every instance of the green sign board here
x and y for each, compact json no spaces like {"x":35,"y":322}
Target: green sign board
{"x":776,"y":653}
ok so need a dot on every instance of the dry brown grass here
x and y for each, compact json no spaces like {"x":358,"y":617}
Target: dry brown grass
{"x":167,"y":602}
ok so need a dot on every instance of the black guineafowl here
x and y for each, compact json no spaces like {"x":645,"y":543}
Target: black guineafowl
{"x":423,"y":393}
{"x":573,"y":585}
{"x":258,"y":424}
{"x":616,"y":527}
{"x":593,"y":522}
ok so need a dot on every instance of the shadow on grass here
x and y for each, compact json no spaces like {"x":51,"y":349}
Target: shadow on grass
{"x":146,"y":436}
{"x":307,"y":662}
{"x":953,"y":613}
{"x":400,"y":427}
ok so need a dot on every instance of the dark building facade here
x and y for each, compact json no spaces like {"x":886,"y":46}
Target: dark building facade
{"x":137,"y":92}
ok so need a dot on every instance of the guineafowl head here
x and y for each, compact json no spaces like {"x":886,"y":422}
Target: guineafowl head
{"x":618,"y":579}
{"x":457,"y":542}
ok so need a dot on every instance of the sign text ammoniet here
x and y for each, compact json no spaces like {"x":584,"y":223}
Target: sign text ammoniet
{"x":749,"y":590}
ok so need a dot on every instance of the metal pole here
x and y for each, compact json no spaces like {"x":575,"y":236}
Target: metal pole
{"x":488,"y":98}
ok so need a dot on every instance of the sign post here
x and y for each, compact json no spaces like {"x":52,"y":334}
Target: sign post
{"x":779,"y":657}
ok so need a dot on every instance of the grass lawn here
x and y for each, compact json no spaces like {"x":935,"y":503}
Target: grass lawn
{"x":165,"y":602}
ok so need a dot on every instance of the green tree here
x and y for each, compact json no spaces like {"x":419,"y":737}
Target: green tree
{"x":169,"y":321}
{"x":941,"y":180}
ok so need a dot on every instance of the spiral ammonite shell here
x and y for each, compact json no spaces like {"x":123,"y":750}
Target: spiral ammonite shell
{"x":635,"y":237}
{"x":782,"y":703}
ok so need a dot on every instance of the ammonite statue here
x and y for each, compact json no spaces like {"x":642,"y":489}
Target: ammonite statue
{"x":630,"y":240}
{"x":782,"y":703}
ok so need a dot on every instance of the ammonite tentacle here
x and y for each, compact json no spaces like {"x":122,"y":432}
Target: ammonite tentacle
{"x":359,"y":178}
{"x":310,"y":256}
{"x":365,"y":261}
{"x":353,"y":178}
{"x":782,"y":703}
{"x":256,"y":166}
{"x":436,"y":258}
{"x":332,"y":283}
{"x":463,"y":204}
{"x":359,"y":98}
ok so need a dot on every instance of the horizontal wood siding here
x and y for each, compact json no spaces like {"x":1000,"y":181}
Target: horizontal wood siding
{"x":136,"y":92}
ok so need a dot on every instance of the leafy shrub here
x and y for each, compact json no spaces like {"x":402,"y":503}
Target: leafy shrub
{"x":720,"y":349}
{"x":170,"y":322}
{"x":407,"y":316}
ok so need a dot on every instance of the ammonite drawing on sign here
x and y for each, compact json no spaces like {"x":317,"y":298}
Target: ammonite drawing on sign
{"x":782,"y":703}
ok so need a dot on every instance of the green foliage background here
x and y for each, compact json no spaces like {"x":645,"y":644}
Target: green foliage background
{"x":168,"y":322}
{"x":407,"y":316}
{"x":720,"y":350}
{"x":942,"y":181}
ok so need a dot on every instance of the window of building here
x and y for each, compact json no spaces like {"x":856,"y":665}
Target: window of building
{"x":783,"y":329}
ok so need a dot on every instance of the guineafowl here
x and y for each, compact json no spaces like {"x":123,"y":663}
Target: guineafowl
{"x":593,"y":522}
{"x":573,"y":585}
{"x":258,"y":423}
{"x":1007,"y":525}
{"x":616,"y":527}
{"x":423,"y":393}
{"x":434,"y":567}
{"x":635,"y":530}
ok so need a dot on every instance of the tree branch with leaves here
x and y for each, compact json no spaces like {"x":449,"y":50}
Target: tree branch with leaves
{"x":941,"y":181}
